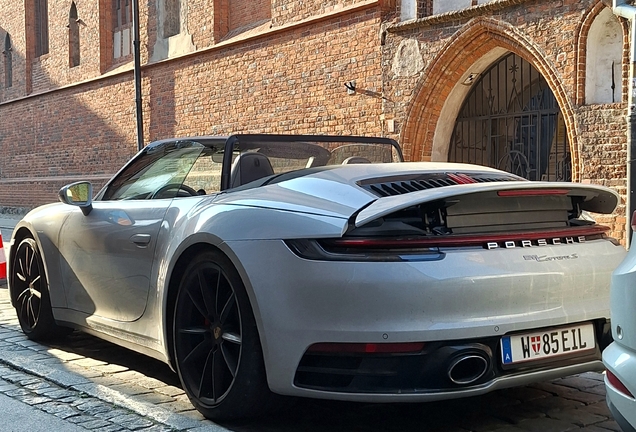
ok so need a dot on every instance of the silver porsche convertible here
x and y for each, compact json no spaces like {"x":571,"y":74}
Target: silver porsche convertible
{"x":322,"y":266}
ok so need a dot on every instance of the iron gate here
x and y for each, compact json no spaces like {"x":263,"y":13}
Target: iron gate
{"x":510,"y":120}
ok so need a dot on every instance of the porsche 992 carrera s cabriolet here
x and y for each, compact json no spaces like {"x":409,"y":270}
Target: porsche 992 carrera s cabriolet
{"x":322,"y":267}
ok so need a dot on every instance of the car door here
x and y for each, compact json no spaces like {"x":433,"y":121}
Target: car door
{"x":107,"y":257}
{"x":107,"y":254}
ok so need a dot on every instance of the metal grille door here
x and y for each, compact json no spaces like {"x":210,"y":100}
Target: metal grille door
{"x":510,"y":120}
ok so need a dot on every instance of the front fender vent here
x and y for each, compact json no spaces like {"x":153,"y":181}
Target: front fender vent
{"x":390,"y":186}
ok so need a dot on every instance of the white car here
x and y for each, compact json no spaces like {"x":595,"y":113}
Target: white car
{"x":323,"y":267}
{"x":620,"y":356}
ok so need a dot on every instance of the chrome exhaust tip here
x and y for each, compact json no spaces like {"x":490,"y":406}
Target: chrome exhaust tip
{"x":467,"y":369}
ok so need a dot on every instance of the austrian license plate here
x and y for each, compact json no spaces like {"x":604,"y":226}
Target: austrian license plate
{"x":542,"y":344}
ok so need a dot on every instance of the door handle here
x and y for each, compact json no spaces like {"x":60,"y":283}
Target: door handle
{"x":141,"y":240}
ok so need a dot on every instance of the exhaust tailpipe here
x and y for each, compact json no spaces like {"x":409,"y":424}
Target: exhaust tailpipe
{"x":467,"y":369}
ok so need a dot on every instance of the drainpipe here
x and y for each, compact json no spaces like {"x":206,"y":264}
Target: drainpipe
{"x":137,"y":68}
{"x":622,"y":9}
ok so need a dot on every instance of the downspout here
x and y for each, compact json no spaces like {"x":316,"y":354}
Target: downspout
{"x":624,"y":10}
{"x":137,"y":73}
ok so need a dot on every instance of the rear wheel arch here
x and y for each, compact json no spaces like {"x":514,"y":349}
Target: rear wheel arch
{"x":177,"y":275}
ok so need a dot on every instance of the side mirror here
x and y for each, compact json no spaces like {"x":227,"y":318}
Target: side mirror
{"x":78,"y":194}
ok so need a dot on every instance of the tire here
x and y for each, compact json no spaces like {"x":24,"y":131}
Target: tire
{"x":217,"y":350}
{"x":29,"y":288}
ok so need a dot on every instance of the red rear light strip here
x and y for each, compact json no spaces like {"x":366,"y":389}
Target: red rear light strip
{"x":532,"y":192}
{"x":468,"y":240}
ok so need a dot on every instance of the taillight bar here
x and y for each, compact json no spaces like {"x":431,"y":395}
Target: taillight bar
{"x":463,"y":240}
{"x":532,"y":192}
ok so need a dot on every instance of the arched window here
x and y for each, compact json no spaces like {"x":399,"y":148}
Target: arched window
{"x":603,"y":73}
{"x":171,"y":18}
{"x":41,"y":27}
{"x":73,"y":37}
{"x":511,"y":120}
{"x":8,"y":62}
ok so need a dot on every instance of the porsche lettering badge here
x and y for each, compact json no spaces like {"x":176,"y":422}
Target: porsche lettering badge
{"x":511,"y":244}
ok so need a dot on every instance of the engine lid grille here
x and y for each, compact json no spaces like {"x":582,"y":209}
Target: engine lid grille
{"x":391,"y":186}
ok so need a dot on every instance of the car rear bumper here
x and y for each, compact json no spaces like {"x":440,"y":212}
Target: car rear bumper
{"x":469,"y":297}
{"x":621,"y":361}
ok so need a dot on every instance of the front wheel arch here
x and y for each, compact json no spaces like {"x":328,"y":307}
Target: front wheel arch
{"x":20,"y":235}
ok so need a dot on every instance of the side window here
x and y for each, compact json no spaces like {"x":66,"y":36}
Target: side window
{"x":158,"y":173}
{"x":205,"y":175}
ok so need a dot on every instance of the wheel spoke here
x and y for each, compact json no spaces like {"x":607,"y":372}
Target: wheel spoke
{"x":25,"y":292}
{"x":19,"y":275}
{"x":197,"y":304}
{"x":208,"y":297}
{"x":218,"y":376}
{"x":199,"y":351}
{"x":194,"y":331}
{"x":227,"y":308}
{"x":231,"y":361}
{"x":34,"y":318}
{"x":24,"y":305}
{"x":29,"y":261}
{"x":206,"y":375}
{"x":232,"y":337}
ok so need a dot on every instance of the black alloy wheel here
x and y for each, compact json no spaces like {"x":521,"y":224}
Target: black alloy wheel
{"x":29,"y":289}
{"x":216,"y":345}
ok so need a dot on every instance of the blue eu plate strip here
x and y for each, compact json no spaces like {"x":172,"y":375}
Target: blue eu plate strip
{"x":506,"y":350}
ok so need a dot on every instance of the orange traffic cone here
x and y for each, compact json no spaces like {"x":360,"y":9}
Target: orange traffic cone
{"x":3,"y":261}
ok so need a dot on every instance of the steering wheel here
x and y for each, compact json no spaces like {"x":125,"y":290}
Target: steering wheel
{"x":173,"y":186}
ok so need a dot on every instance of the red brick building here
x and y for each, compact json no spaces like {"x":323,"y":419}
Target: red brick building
{"x":538,"y":87}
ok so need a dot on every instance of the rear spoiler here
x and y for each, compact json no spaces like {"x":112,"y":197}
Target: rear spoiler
{"x":596,"y":199}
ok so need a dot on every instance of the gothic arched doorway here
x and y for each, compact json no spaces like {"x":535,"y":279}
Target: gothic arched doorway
{"x":511,"y":120}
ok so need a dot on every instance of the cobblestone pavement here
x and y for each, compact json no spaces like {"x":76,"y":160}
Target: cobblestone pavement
{"x":102,"y":387}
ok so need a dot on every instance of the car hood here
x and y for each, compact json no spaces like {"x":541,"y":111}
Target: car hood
{"x":340,"y":192}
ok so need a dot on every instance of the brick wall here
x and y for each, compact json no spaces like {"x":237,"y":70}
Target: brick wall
{"x":604,"y":152}
{"x":245,"y":12}
{"x":13,"y":23}
{"x":286,"y":11}
{"x":87,"y":130}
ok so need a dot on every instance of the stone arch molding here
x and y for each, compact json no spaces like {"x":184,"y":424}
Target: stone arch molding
{"x":441,"y":90}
